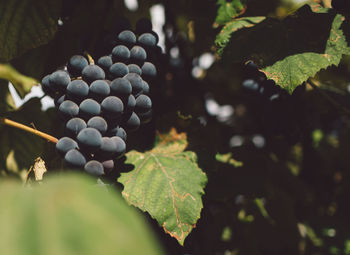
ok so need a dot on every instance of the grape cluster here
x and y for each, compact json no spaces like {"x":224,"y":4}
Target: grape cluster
{"x":99,"y":103}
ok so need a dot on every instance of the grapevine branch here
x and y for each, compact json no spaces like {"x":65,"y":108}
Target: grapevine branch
{"x":15,"y":124}
{"x":329,"y":99}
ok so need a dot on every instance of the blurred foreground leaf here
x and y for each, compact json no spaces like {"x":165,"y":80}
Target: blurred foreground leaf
{"x":69,"y":215}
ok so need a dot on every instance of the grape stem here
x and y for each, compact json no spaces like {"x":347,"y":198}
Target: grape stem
{"x":328,"y":98}
{"x":15,"y":124}
{"x":91,"y":60}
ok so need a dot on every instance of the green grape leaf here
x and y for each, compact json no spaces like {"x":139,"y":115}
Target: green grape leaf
{"x":167,"y":183}
{"x":291,"y":50}
{"x":294,"y":70}
{"x":225,"y":34}
{"x":228,"y":10}
{"x":26,"y":24}
{"x":70,"y":214}
{"x":22,"y":83}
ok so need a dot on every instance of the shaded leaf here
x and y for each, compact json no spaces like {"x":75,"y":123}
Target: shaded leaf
{"x":225,"y":34}
{"x":70,"y":214}
{"x":292,"y":50}
{"x":167,"y":183}
{"x":22,"y":83}
{"x":26,"y":24}
{"x":228,"y":10}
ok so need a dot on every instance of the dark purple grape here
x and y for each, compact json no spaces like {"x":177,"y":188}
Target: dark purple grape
{"x":68,"y":109}
{"x":108,"y":165}
{"x":112,"y":107}
{"x":121,"y":146}
{"x":130,"y":103}
{"x":59,"y":80}
{"x":75,"y":159}
{"x":108,"y":149}
{"x":121,"y":87}
{"x":89,"y":140}
{"x":59,"y":99}
{"x":118,"y":70}
{"x":138,"y":55}
{"x":76,"y":64}
{"x":65,"y":144}
{"x":147,"y":40}
{"x":127,"y":38}
{"x":145,"y":88}
{"x":46,"y":86}
{"x":105,"y":63}
{"x":98,"y":123}
{"x":120,"y":53}
{"x":89,"y":108}
{"x":77,"y":90}
{"x":149,"y":71}
{"x":135,"y":81}
{"x":132,"y":122}
{"x":118,"y":131}
{"x":94,"y":167}
{"x":92,"y":73}
{"x":74,"y":126}
{"x":99,"y":90}
{"x":143,"y":104}
{"x":133,"y":68}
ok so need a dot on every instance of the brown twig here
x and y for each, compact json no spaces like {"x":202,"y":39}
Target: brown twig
{"x":15,"y":124}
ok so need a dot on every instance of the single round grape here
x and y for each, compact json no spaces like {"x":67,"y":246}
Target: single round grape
{"x":118,"y":70}
{"x":59,"y":99}
{"x":92,"y":73}
{"x":156,"y":36}
{"x":127,"y":38}
{"x":74,"y":126}
{"x":145,"y":88}
{"x":118,"y":131}
{"x":108,"y":149}
{"x":105,"y":63}
{"x":133,"y":68}
{"x":145,"y":117}
{"x":77,"y":90}
{"x":75,"y":158}
{"x":112,"y":107}
{"x":65,"y":144}
{"x":138,"y":55}
{"x":89,"y":108}
{"x":129,"y":105}
{"x":99,"y":89}
{"x":147,"y":40}
{"x":132,"y":123}
{"x":59,"y":80}
{"x":149,"y":71}
{"x":94,"y":167}
{"x":89,"y":139}
{"x":76,"y":64}
{"x":98,"y":123}
{"x":68,"y":109}
{"x":250,"y":84}
{"x":143,"y":25}
{"x":121,"y":87}
{"x":46,"y":86}
{"x":135,"y":81}
{"x":120,"y":53}
{"x":121,"y":146}
{"x":143,"y":104}
{"x":108,"y":165}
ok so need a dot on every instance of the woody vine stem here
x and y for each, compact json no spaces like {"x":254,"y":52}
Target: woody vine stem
{"x":15,"y":124}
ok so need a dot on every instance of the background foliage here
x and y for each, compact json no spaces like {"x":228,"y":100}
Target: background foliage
{"x":276,"y":172}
